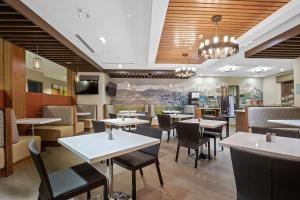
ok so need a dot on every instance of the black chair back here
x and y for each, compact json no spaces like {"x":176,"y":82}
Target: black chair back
{"x":218,"y":129}
{"x":112,"y":115}
{"x":188,"y":134}
{"x":146,"y":118}
{"x":285,"y":179}
{"x":277,"y":131}
{"x":39,"y":164}
{"x":164,"y":121}
{"x":252,"y":174}
{"x":98,"y":126}
{"x":150,"y":132}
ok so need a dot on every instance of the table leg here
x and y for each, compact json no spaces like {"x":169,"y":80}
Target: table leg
{"x":32,"y":129}
{"x":202,"y":155}
{"x":110,"y":177}
{"x":227,"y":127}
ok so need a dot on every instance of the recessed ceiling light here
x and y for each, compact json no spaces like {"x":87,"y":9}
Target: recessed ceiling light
{"x":129,"y":15}
{"x":68,"y":63}
{"x":255,"y":76}
{"x":200,"y":37}
{"x":102,"y":39}
{"x":282,"y":70}
{"x":83,"y":13}
{"x":120,"y":66}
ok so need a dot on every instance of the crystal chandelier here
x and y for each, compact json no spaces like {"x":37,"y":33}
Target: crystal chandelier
{"x":185,"y":71}
{"x":216,"y":48}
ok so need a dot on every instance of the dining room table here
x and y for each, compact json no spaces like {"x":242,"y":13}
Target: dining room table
{"x":83,"y":113}
{"x":124,"y":122}
{"x":97,"y":147}
{"x":36,"y":121}
{"x":131,"y":114}
{"x":170,"y":111}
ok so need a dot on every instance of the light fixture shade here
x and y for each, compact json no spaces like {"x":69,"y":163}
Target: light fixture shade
{"x":37,"y":63}
{"x":77,"y":78}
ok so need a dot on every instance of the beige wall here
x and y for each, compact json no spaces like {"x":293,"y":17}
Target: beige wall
{"x":272,"y":90}
{"x":297,"y":80}
{"x":98,"y":99}
{"x":39,"y":76}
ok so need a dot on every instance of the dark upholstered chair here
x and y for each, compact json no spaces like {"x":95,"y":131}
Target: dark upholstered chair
{"x":189,"y":137}
{"x":277,"y":131}
{"x":165,"y":124}
{"x":98,"y":126}
{"x":252,"y":174}
{"x":214,"y":133}
{"x":285,"y":179}
{"x":146,"y":118}
{"x":112,"y":115}
{"x":66,"y":183}
{"x":142,"y":158}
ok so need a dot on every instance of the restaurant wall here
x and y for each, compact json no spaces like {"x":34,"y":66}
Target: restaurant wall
{"x":271,"y":90}
{"x":36,"y":101}
{"x":99,"y":99}
{"x":175,"y":91}
{"x":297,"y":81}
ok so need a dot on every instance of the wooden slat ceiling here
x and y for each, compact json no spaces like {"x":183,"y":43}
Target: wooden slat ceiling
{"x":283,"y":46}
{"x":19,"y":30}
{"x":187,"y":21}
{"x":152,"y":74}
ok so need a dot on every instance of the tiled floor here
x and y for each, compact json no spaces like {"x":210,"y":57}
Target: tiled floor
{"x":213,"y":180}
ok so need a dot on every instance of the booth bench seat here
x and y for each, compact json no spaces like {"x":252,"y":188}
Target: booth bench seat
{"x":52,"y":133}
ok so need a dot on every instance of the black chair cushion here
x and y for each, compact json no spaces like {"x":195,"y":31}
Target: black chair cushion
{"x":135,"y":160}
{"x":76,"y":178}
{"x":211,"y":134}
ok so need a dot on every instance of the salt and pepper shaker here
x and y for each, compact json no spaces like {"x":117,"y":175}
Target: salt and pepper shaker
{"x":273,"y":137}
{"x":122,"y":118}
{"x":109,"y":135}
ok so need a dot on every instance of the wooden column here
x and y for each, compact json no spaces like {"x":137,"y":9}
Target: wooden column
{"x":71,"y":85}
{"x":13,"y":78}
{"x":1,"y":74}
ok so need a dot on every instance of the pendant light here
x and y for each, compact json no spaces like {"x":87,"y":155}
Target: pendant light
{"x":37,"y":62}
{"x":77,"y":78}
{"x":185,"y":71}
{"x":215,"y":47}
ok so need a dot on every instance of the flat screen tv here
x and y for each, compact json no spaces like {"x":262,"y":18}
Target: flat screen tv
{"x":86,"y":87}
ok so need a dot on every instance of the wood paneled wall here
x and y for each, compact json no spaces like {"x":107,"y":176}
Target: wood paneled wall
{"x":13,"y":77}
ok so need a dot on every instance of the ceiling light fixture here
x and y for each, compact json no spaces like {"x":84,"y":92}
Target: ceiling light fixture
{"x":227,"y":69}
{"x":77,"y":77}
{"x":102,"y":39}
{"x":37,"y":62}
{"x":282,"y":70}
{"x":120,"y":66}
{"x":83,"y":13}
{"x":215,"y":48}
{"x":185,"y":71}
{"x":259,"y":69}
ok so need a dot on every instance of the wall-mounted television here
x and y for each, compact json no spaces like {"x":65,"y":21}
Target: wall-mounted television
{"x":86,"y":87}
{"x":111,"y":89}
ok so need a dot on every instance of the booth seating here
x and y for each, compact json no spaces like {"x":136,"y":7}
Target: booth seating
{"x":66,"y":127}
{"x":258,"y":120}
{"x":13,"y":147}
{"x":87,"y":119}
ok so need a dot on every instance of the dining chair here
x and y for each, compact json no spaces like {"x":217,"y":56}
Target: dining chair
{"x":98,"y":126}
{"x":137,"y":160}
{"x":252,"y":173}
{"x":146,"y":118}
{"x":214,"y":133}
{"x":113,"y":116}
{"x":66,"y":183}
{"x":189,"y":137}
{"x":165,"y":124}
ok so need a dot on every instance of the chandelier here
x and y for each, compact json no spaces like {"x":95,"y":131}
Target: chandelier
{"x":185,"y":71}
{"x":216,"y":48}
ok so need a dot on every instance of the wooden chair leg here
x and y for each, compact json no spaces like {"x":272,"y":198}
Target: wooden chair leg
{"x":209,"y":150}
{"x":168,"y":136}
{"x":159,"y":173}
{"x":189,"y":151}
{"x":141,"y":172}
{"x":89,"y":195}
{"x":215,"y":146}
{"x":133,"y":191}
{"x":196,"y":159}
{"x":177,"y":152}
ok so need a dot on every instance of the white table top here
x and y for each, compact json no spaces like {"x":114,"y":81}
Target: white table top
{"x":283,"y":147}
{"x":127,"y":111}
{"x":171,"y":111}
{"x":96,"y":147}
{"x":83,"y":113}
{"x":288,"y":122}
{"x":180,"y":116}
{"x":205,"y":123}
{"x":126,"y":122}
{"x":131,"y":114}
{"x":36,"y":121}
